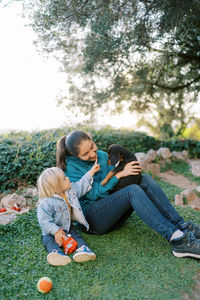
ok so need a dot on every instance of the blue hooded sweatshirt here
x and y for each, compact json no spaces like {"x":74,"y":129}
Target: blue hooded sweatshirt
{"x":76,"y":168}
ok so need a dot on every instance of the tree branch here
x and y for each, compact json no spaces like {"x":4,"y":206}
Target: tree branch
{"x":180,"y":54}
{"x":172,"y":89}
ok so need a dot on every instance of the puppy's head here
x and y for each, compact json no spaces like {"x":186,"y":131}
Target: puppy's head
{"x":114,"y":152}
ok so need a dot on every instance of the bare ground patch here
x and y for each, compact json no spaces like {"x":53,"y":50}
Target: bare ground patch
{"x":177,"y":179}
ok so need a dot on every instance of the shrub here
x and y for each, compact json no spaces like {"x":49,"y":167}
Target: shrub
{"x":23,"y":155}
{"x":192,"y":146}
{"x":22,"y":162}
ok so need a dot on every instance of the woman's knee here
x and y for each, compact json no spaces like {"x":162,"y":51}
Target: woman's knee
{"x":131,"y":188}
{"x":146,"y":178}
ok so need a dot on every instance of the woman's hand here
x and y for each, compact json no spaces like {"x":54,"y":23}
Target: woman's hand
{"x":58,"y":236}
{"x":95,"y":168}
{"x":132,"y":168}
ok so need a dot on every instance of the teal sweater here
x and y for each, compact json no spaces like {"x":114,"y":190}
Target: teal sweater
{"x":76,"y":168}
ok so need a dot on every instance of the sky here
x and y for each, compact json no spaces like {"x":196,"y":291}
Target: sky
{"x":30,"y":82}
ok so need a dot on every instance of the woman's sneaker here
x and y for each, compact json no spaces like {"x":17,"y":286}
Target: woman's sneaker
{"x":58,"y":259}
{"x":190,"y":226}
{"x":186,"y":246}
{"x":84,"y":254}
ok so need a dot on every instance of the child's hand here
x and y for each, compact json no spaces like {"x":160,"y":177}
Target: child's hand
{"x":95,"y":168}
{"x":58,"y":236}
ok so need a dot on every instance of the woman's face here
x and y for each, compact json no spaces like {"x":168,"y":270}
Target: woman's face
{"x":87,"y":150}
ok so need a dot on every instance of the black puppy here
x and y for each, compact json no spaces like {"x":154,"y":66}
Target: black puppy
{"x":120,"y":156}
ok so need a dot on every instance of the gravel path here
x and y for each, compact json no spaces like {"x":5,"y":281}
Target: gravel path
{"x":180,"y":180}
{"x":177,"y":179}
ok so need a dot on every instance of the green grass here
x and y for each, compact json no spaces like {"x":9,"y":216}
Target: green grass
{"x":132,"y":262}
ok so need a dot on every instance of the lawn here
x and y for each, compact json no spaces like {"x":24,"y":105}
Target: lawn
{"x":132,"y":262}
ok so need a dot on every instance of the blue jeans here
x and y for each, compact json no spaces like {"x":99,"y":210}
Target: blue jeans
{"x":50,"y":244}
{"x":147,"y":199}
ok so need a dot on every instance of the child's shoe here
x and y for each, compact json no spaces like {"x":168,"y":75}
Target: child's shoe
{"x":58,"y":259}
{"x":84,"y":254}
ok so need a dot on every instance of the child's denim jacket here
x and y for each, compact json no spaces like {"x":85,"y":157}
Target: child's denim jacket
{"x":53,"y":213}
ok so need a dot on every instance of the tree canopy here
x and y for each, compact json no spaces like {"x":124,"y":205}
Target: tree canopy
{"x":144,"y":52}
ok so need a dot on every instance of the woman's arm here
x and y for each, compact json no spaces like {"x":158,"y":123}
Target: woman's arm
{"x":77,"y":169}
{"x":101,"y":191}
{"x":96,"y":189}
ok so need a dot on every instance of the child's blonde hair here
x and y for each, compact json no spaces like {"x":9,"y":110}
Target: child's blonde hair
{"x":49,"y":182}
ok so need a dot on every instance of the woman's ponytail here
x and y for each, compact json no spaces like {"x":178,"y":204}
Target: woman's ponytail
{"x":61,"y":153}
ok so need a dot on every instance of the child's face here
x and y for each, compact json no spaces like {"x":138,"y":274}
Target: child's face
{"x":66,"y":184}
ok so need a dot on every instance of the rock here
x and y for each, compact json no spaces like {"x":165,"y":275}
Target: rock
{"x":179,"y":199}
{"x":189,"y":194}
{"x":143,"y":159}
{"x":2,"y":195}
{"x":154,"y":168}
{"x":198,"y":189}
{"x":195,"y":204}
{"x":152,"y":154}
{"x":195,"y":165}
{"x":164,"y":153}
{"x":178,"y":155}
{"x":162,"y":163}
{"x":7,"y":218}
{"x":185,"y":154}
{"x":10,"y":215}
{"x":192,"y":198}
{"x":24,"y":210}
{"x":12,"y":199}
{"x":30,"y":192}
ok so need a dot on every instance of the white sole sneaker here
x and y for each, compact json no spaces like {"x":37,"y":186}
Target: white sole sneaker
{"x":55,"y":259}
{"x":178,"y":254}
{"x":82,"y":257}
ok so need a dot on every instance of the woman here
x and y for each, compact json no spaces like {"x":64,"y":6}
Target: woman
{"x":76,"y":153}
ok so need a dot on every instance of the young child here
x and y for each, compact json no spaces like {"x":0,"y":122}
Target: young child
{"x":58,"y":206}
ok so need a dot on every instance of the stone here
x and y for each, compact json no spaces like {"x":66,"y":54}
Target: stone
{"x":7,"y":218}
{"x":23,"y":210}
{"x":154,"y":168}
{"x":143,"y":159}
{"x":185,"y":154}
{"x":198,"y":189}
{"x":179,"y":199}
{"x":178,"y":155}
{"x":10,"y":215}
{"x":164,"y":153}
{"x":195,"y":170}
{"x":152,"y":154}
{"x":189,"y":194}
{"x":11,"y":199}
{"x":192,"y":198}
{"x":195,"y":204}
{"x":30,"y":192}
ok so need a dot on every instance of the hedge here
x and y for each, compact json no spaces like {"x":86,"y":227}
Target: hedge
{"x":23,"y":155}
